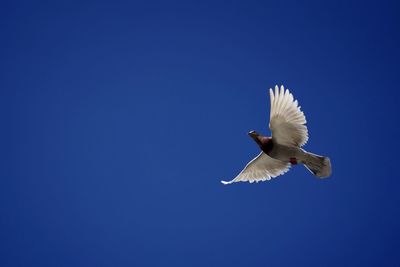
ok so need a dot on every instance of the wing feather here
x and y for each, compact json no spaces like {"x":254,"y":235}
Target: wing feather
{"x":261,"y":168}
{"x":287,"y":121}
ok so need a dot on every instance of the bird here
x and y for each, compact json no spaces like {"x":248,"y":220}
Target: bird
{"x":284,"y":148}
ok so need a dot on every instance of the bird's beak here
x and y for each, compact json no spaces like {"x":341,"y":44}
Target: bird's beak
{"x":252,"y":134}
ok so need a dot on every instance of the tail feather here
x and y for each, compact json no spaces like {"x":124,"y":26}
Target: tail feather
{"x":320,"y":166}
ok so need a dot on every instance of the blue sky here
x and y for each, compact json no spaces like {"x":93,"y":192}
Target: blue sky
{"x":119,"y":119}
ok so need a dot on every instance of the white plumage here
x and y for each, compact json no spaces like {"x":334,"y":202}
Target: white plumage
{"x":261,"y":168}
{"x":287,"y":121}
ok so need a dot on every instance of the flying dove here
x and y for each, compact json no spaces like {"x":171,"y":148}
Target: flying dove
{"x":283,"y":149}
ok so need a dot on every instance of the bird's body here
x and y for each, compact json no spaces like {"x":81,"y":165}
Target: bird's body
{"x":273,"y":149}
{"x":289,"y":154}
{"x":284,"y":153}
{"x":283,"y":149}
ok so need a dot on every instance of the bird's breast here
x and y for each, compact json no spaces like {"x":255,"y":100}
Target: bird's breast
{"x":267,"y":147}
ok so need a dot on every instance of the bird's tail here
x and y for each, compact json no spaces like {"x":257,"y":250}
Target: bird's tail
{"x":320,"y":166}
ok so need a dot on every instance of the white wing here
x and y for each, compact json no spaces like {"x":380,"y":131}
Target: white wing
{"x":287,"y":121}
{"x":261,"y":168}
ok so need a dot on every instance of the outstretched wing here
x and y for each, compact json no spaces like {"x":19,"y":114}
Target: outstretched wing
{"x":287,"y":121}
{"x":261,"y":168}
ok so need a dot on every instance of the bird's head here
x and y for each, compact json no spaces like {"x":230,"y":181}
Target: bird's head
{"x":258,"y":138}
{"x":253,"y":134}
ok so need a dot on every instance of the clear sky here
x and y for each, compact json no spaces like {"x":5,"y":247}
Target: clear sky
{"x":119,"y":119}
